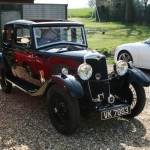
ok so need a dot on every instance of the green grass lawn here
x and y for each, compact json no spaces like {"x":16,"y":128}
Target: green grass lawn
{"x":115,"y":33}
{"x":80,"y":13}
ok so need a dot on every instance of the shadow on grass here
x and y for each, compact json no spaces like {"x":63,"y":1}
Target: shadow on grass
{"x":129,"y":30}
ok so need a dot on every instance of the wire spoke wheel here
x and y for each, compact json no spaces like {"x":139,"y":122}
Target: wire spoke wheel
{"x":136,"y":99}
{"x":125,"y":56}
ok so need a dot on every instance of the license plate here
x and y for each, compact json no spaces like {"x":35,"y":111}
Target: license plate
{"x":121,"y":111}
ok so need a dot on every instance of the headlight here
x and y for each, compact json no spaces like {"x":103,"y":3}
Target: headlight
{"x":121,"y":67}
{"x":85,"y":71}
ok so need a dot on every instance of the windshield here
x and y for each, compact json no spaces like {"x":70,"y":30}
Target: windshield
{"x":45,"y":36}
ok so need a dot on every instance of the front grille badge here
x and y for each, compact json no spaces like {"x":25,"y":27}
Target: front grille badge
{"x":98,"y":76}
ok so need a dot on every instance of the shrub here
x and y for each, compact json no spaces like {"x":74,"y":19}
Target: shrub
{"x":107,"y":52}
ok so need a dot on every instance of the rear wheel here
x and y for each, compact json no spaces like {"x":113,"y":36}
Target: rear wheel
{"x":6,"y":86}
{"x":63,"y":110}
{"x":136,"y":98}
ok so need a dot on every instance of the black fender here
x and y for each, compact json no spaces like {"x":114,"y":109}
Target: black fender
{"x":139,"y":77}
{"x":4,"y":65}
{"x":69,"y":84}
{"x":1,"y":62}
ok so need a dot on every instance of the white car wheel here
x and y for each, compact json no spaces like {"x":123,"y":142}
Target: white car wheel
{"x":124,"y":55}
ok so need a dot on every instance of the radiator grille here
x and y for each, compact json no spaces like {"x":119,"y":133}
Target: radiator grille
{"x":99,"y":87}
{"x":98,"y":66}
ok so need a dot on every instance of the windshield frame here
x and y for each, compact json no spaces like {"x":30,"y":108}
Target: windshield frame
{"x":60,"y":43}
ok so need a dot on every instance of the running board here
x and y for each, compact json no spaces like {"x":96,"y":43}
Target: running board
{"x":28,"y":87}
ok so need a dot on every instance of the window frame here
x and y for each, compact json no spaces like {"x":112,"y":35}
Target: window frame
{"x":23,"y":46}
{"x":5,"y":41}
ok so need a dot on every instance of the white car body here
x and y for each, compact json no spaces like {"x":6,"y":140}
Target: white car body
{"x":140,"y":52}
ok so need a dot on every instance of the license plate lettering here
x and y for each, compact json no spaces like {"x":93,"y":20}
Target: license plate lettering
{"x":121,"y":111}
{"x":107,"y":114}
{"x":115,"y":113}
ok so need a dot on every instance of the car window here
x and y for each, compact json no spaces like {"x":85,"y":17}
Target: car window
{"x":23,"y":38}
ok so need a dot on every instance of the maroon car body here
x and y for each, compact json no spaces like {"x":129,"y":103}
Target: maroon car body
{"x":52,"y":58}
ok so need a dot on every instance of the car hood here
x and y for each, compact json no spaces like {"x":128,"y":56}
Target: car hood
{"x":131,"y":44}
{"x":78,"y":54}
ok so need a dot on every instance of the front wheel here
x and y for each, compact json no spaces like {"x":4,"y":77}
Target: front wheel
{"x":136,"y":98}
{"x":63,"y":110}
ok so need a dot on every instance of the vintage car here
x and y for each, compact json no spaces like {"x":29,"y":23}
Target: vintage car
{"x":53,"y":58}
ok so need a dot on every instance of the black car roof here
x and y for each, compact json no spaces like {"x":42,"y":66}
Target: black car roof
{"x":44,"y":22}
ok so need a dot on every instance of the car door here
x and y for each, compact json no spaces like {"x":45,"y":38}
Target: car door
{"x":25,"y":66}
{"x":144,"y":55}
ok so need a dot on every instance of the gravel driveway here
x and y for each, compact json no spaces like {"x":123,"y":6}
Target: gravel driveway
{"x":25,"y":125}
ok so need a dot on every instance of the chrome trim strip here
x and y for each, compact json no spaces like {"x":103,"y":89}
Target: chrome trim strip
{"x":90,"y":91}
{"x":17,"y":86}
{"x":38,"y":92}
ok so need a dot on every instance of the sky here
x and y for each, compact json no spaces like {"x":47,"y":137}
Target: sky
{"x":71,"y":3}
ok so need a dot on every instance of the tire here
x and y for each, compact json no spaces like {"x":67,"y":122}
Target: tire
{"x":63,"y":110}
{"x":6,"y":86}
{"x":124,"y":55}
{"x":137,"y":99}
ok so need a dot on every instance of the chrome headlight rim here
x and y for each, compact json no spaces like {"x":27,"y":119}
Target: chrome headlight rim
{"x":85,"y":74}
{"x":121,"y":67}
{"x":64,"y":71}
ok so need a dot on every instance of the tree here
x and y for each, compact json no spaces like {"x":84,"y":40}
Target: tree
{"x":129,"y":11}
{"x":92,"y":3}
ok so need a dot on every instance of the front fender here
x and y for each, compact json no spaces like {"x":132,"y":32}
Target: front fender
{"x":69,"y":84}
{"x":139,"y":77}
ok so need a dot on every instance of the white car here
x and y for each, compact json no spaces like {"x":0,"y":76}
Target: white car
{"x":138,"y":53}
